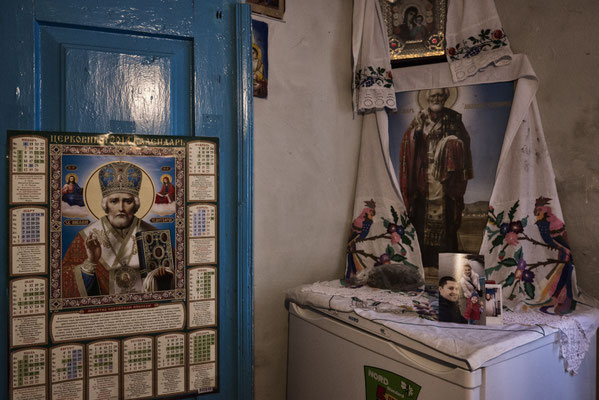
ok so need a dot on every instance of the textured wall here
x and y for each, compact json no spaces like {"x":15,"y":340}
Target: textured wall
{"x":559,"y":37}
{"x":306,"y":147}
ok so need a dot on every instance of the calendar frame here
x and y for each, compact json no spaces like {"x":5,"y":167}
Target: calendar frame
{"x":12,"y":174}
{"x":10,"y":247}
{"x":11,"y":376}
{"x":13,"y":317}
{"x":185,"y":365}
{"x":189,"y":228}
{"x":51,"y":383}
{"x":62,"y":314}
{"x":152,"y":367}
{"x":215,"y":198}
{"x":119,"y":362}
{"x":215,"y":298}
{"x":188,"y":358}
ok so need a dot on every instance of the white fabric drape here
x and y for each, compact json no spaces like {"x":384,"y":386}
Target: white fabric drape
{"x":372,"y":84}
{"x":378,"y":193}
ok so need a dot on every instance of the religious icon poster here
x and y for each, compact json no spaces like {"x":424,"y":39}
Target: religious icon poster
{"x":113,"y":256}
{"x":444,"y":145}
{"x":260,"y":58}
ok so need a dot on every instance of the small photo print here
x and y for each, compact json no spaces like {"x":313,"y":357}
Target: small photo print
{"x":492,"y":304}
{"x":461,"y":288}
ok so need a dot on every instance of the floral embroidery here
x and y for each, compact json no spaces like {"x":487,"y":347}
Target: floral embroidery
{"x":370,"y":76}
{"x":472,"y":46}
{"x":399,"y":234}
{"x":508,"y":234}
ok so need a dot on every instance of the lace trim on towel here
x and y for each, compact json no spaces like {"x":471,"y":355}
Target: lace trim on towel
{"x":462,"y":69}
{"x":573,"y":340}
{"x":374,"y":87}
{"x":473,"y":54}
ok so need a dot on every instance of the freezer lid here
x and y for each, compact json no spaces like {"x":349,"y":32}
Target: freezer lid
{"x":401,"y":345}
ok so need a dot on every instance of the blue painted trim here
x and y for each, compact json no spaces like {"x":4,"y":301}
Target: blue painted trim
{"x":245,"y":375}
{"x":54,"y":41}
{"x":219,"y":111}
{"x":148,"y":16}
{"x":16,"y":112}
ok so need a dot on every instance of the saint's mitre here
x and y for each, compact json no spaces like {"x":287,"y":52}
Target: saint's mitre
{"x":120,"y":177}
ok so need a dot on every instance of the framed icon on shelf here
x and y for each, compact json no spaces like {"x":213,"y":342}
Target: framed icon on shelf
{"x":272,"y":8}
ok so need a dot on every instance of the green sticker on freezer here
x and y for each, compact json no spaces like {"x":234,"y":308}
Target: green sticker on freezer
{"x":385,"y":385}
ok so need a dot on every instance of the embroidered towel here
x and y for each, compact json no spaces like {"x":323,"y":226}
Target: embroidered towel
{"x":475,"y":38}
{"x":372,"y":85}
{"x":380,"y":231}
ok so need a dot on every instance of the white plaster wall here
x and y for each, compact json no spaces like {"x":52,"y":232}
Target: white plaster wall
{"x":560,"y":39}
{"x":305,"y":150}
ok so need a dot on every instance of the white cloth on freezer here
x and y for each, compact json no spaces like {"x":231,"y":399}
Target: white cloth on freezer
{"x":473,"y":344}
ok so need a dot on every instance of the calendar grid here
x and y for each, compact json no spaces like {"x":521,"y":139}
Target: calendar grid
{"x":67,"y":363}
{"x":202,"y":346}
{"x":171,"y":350}
{"x":28,"y":368}
{"x":138,"y":354}
{"x":202,"y":222}
{"x":103,"y":358}
{"x":29,"y":155}
{"x":202,"y":283}
{"x":28,"y":296}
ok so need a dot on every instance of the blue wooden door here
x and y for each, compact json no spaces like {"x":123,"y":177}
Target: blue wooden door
{"x":145,"y":67}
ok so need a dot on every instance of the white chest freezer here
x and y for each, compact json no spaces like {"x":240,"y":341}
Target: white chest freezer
{"x":334,"y":360}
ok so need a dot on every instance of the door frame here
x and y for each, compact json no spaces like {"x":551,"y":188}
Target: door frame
{"x":245,"y":135}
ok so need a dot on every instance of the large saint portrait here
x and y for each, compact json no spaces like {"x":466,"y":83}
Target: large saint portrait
{"x":444,"y":144}
{"x":119,"y":239}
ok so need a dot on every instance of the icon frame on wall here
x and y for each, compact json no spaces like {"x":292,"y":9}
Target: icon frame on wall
{"x":272,"y":8}
{"x":416,"y":30}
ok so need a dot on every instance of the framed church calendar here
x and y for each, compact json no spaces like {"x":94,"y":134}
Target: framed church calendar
{"x":113,"y":265}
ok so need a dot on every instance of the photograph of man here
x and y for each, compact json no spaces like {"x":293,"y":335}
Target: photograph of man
{"x":435,"y":164}
{"x":449,"y":309}
{"x":103,"y":257}
{"x":470,"y":282}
